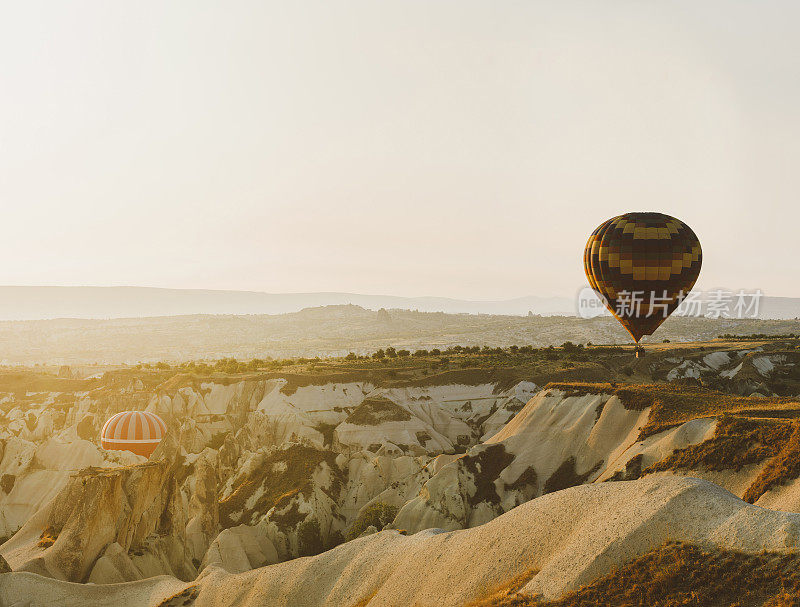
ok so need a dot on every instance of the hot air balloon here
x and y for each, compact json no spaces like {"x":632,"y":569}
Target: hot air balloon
{"x":642,"y":265}
{"x":136,"y":431}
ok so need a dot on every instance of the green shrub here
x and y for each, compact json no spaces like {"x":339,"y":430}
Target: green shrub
{"x":309,"y":538}
{"x":378,"y":515}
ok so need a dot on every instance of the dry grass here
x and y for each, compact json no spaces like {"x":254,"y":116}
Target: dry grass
{"x":7,"y":483}
{"x":785,"y":466}
{"x":635,"y":397}
{"x":376,"y":410}
{"x":366,"y":600}
{"x":95,"y":471}
{"x":473,"y":376}
{"x":178,"y":381}
{"x":572,"y":389}
{"x":185,"y":597}
{"x":506,"y":374}
{"x":301,"y":380}
{"x":32,"y":381}
{"x":672,"y":405}
{"x":737,"y":442}
{"x":682,"y":575}
{"x":505,"y":592}
{"x":47,"y":538}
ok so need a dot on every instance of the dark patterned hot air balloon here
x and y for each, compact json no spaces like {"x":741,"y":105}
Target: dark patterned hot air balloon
{"x":642,"y":265}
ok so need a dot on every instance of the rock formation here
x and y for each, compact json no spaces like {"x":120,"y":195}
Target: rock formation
{"x":490,"y":475}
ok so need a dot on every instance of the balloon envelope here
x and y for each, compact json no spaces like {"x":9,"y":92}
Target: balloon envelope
{"x":642,"y":265}
{"x":136,"y":431}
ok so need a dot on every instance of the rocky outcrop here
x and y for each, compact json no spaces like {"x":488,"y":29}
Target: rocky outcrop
{"x":242,"y":548}
{"x":261,"y":469}
{"x":293,"y":492}
{"x":380,"y":478}
{"x":203,"y":510}
{"x":764,"y":371}
{"x":556,"y":441}
{"x":32,"y":473}
{"x":379,"y":423}
{"x":137,"y":508}
{"x":590,"y":530}
{"x":220,"y":434}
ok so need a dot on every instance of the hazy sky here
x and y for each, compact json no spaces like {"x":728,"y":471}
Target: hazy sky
{"x":453,"y":148}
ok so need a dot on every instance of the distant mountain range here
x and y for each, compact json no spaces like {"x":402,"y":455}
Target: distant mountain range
{"x":34,"y":303}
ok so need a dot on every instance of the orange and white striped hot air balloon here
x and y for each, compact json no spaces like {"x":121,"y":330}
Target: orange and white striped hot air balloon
{"x":136,"y":431}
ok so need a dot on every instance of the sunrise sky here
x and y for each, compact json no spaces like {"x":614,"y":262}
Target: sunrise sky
{"x":452,"y":148}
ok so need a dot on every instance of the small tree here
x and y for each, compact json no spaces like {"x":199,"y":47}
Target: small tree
{"x":255,"y":364}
